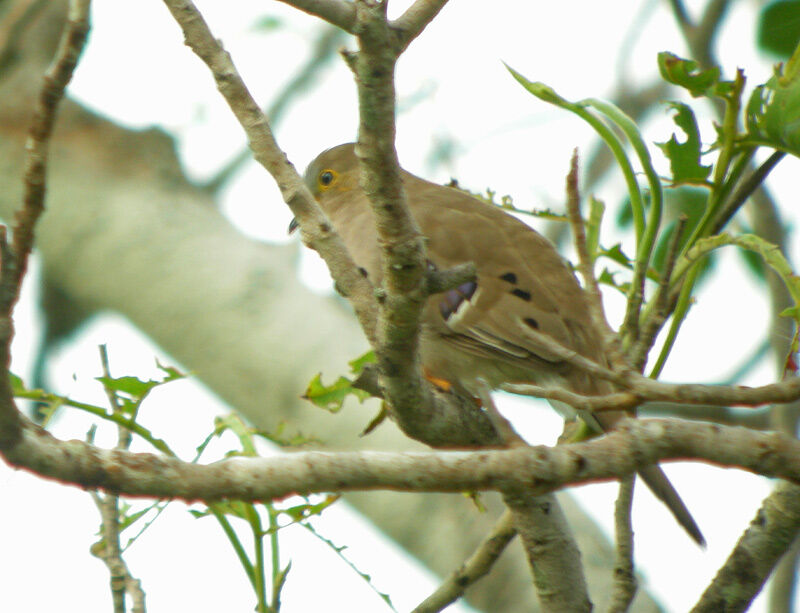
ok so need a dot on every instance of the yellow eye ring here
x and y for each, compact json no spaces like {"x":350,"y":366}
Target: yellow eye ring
{"x":327,"y":178}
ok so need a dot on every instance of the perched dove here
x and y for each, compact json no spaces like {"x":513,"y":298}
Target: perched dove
{"x":481,"y":331}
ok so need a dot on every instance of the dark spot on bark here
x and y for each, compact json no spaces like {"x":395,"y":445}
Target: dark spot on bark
{"x":363,"y":272}
{"x":546,"y":508}
{"x":521,"y":293}
{"x":531,"y":322}
{"x":509,"y":277}
{"x":325,"y":228}
{"x":580,"y":463}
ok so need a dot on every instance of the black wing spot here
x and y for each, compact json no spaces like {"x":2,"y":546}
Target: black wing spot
{"x":521,"y":293}
{"x":509,"y":277}
{"x":531,"y":322}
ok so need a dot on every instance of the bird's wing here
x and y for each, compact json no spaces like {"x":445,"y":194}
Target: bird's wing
{"x":524,"y":289}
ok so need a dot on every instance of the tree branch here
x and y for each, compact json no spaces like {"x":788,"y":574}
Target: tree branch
{"x":552,"y":553}
{"x":476,"y":567}
{"x":317,"y":231}
{"x":633,"y":445}
{"x":624,"y":582}
{"x":416,"y":18}
{"x":771,"y":533}
{"x":638,"y":389}
{"x":336,"y":12}
{"x":15,"y":256}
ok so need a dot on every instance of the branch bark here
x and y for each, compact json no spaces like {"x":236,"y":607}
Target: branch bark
{"x":635,"y":444}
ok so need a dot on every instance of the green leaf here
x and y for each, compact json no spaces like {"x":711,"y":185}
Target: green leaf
{"x":601,"y":126}
{"x":607,"y":278}
{"x":684,"y":158}
{"x":17,"y":385}
{"x":357,"y":365}
{"x":687,"y":74}
{"x":616,"y":254}
{"x":304,"y":511}
{"x":129,"y":385}
{"x":770,"y":253}
{"x":332,"y":397}
{"x":243,"y":432}
{"x":773,"y":111}
{"x":779,"y":28}
{"x":173,"y":374}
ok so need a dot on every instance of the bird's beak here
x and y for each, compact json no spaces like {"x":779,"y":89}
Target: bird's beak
{"x":293,"y":225}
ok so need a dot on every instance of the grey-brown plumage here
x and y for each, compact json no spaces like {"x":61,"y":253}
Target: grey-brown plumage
{"x":486,"y":329}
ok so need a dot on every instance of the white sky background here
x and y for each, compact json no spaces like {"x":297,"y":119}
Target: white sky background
{"x":505,"y":139}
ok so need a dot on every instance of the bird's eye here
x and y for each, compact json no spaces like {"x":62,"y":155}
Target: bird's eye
{"x":326,"y":178}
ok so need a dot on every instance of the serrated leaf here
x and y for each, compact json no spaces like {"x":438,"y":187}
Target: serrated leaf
{"x":779,"y":27}
{"x":773,"y":111}
{"x":173,"y":374}
{"x":684,"y":157}
{"x":687,"y":74}
{"x":243,"y":432}
{"x":130,"y":385}
{"x":357,"y":365}
{"x":607,"y":278}
{"x":332,"y":397}
{"x":304,"y":511}
{"x":616,"y":254}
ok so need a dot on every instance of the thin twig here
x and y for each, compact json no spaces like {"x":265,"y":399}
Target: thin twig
{"x":661,"y":299}
{"x":579,"y":236}
{"x":411,"y":23}
{"x":316,"y":229}
{"x":55,"y":82}
{"x":15,"y":256}
{"x":122,"y":582}
{"x":625,"y":583}
{"x":617,"y":401}
{"x":336,"y":12}
{"x":474,"y":568}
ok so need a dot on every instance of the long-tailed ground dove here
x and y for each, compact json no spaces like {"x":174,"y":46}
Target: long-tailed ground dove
{"x":482,"y":330}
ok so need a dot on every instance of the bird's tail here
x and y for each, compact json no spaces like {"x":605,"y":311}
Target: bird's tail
{"x":658,"y":483}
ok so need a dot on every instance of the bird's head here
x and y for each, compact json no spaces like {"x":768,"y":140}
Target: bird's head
{"x":331,"y":173}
